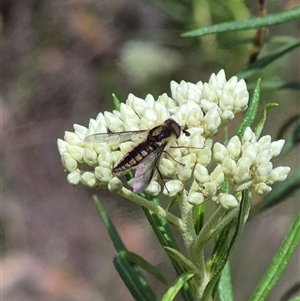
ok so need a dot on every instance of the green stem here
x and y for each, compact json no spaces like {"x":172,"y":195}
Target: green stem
{"x":171,"y":218}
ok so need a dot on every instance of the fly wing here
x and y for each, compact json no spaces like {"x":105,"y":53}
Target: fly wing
{"x":118,"y":137}
{"x":145,"y":170}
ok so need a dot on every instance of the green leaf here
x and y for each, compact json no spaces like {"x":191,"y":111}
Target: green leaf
{"x":268,"y":59}
{"x":251,"y":111}
{"x":116,"y":102}
{"x":198,"y":212}
{"x":164,"y":235}
{"x":279,"y":263}
{"x":176,"y":286}
{"x":182,"y":260}
{"x":261,"y":123}
{"x":225,"y":285}
{"x":253,"y":23}
{"x":142,"y":263}
{"x":280,"y":192}
{"x":219,"y":264}
{"x":112,"y":232}
{"x":133,"y":279}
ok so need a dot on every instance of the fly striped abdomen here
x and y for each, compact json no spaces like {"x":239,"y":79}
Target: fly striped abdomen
{"x":136,"y":156}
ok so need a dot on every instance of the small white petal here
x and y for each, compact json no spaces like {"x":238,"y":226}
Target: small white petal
{"x":201,"y":173}
{"x":217,"y":175}
{"x":196,"y":198}
{"x":76,"y":152}
{"x":276,"y":147}
{"x":234,"y":147}
{"x":115,"y":185}
{"x":88,"y":179}
{"x":248,"y":136}
{"x":74,"y":177}
{"x":219,"y":152}
{"x":278,"y":174}
{"x":153,"y":188}
{"x":262,"y":188}
{"x":172,"y":188}
{"x":69,"y":162}
{"x":229,"y":166}
{"x":90,"y":157}
{"x":61,"y":144}
{"x":227,"y":201}
{"x":103,"y":174}
{"x":263,"y":172}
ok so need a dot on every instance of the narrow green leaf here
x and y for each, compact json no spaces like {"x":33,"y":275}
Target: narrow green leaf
{"x":253,"y":23}
{"x":279,"y":263}
{"x":142,"y":263}
{"x":268,"y":59}
{"x":199,"y":211}
{"x":176,"y":286}
{"x":260,"y":125}
{"x":182,"y":260}
{"x":164,"y":235}
{"x":116,"y":102}
{"x":251,"y":111}
{"x":280,"y":192}
{"x":133,"y":279}
{"x":218,"y":266}
{"x":225,"y":286}
{"x":112,"y":232}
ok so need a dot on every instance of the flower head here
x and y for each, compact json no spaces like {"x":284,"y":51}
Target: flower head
{"x":201,"y":109}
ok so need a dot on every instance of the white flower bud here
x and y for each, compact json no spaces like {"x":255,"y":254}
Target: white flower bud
{"x":248,"y":136}
{"x":204,"y":156}
{"x":234,"y":147}
{"x":263,"y":172}
{"x":127,"y":112}
{"x":264,"y":143}
{"x":276,"y":147}
{"x":209,"y":189}
{"x":263,"y":157}
{"x":219,"y":152}
{"x":172,"y":188}
{"x":115,"y":185}
{"x":137,"y":104}
{"x":241,"y":174}
{"x":195,"y":198}
{"x":105,"y":158}
{"x":229,"y":166}
{"x":103,"y":174}
{"x":167,"y":167}
{"x":227,"y":201}
{"x":73,"y":139}
{"x":194,"y":117}
{"x":80,"y":130}
{"x":278,"y":174}
{"x":217,"y":175}
{"x":90,"y":156}
{"x":88,"y":179}
{"x":241,"y":101}
{"x":201,"y":173}
{"x":76,"y":152}
{"x":69,"y":163}
{"x":113,"y":122}
{"x":226,"y":102}
{"x":74,"y":177}
{"x":251,"y":151}
{"x":262,"y":188}
{"x":212,"y":122}
{"x":62,"y":146}
{"x":227,"y":116}
{"x":153,"y":188}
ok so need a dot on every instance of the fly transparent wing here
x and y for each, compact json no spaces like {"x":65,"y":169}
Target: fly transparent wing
{"x":145,"y":170}
{"x":118,"y":137}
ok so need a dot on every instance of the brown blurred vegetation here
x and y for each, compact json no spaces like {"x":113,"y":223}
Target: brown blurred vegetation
{"x":60,"y":64}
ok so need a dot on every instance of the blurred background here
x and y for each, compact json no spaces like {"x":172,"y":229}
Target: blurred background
{"x":61,"y":61}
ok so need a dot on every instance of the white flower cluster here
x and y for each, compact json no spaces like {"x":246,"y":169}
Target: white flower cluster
{"x":201,"y":109}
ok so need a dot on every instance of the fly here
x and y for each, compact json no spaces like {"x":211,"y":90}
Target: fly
{"x":144,"y":156}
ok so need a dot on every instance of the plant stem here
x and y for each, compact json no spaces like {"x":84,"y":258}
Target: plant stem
{"x":171,"y":218}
